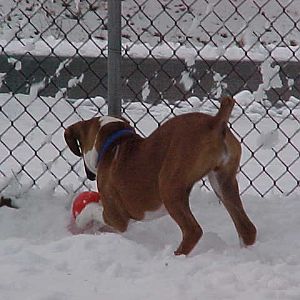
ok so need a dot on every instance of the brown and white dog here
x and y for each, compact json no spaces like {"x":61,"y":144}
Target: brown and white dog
{"x":138,"y":175}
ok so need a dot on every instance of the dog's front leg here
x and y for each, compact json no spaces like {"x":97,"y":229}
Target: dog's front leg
{"x":176,"y":201}
{"x":113,"y":214}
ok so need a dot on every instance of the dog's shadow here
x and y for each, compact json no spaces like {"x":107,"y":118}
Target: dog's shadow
{"x":161,"y":234}
{"x":158,"y":235}
{"x":154,"y":235}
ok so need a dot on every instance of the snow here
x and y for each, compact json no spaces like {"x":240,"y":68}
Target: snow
{"x":145,"y":90}
{"x":42,"y":257}
{"x":221,"y":29}
{"x":2,"y":76}
{"x":268,"y":139}
{"x":95,"y":48}
{"x":186,"y":80}
{"x":17,"y":64}
{"x":196,"y":20}
{"x":35,"y":88}
{"x":75,"y":81}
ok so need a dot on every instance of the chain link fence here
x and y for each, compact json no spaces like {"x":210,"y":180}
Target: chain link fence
{"x":177,"y":56}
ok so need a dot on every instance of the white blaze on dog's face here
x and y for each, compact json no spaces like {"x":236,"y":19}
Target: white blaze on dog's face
{"x":91,"y":156}
{"x":90,"y":160}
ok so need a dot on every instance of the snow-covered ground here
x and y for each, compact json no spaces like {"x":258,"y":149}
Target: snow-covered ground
{"x":210,"y":29}
{"x":41,"y":260}
{"x":222,"y":22}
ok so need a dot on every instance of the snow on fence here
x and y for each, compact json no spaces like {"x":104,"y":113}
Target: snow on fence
{"x":177,"y":56}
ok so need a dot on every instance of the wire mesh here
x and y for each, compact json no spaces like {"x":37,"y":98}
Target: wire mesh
{"x":177,"y":55}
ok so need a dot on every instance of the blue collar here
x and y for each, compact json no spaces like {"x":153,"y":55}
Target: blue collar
{"x":111,"y":139}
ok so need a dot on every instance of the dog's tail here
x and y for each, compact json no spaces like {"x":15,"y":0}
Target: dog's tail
{"x":225,"y":110}
{"x":223,"y":114}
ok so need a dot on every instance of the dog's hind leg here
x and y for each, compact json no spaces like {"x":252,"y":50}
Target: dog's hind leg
{"x":229,"y":194}
{"x":176,"y":201}
{"x":214,"y":184}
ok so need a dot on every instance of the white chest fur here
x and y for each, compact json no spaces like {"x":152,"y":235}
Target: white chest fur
{"x":91,"y":160}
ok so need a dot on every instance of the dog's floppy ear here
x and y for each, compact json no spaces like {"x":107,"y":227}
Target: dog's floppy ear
{"x":72,"y":139}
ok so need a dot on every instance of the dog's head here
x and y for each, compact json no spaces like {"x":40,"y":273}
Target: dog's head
{"x":85,"y":138}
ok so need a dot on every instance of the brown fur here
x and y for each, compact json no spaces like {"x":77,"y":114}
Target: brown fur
{"x":142,"y":174}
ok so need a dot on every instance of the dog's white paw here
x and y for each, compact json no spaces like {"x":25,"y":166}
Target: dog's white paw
{"x":92,"y":213}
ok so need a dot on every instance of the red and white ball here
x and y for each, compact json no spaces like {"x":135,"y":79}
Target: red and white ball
{"x":82,"y":200}
{"x":87,"y":209}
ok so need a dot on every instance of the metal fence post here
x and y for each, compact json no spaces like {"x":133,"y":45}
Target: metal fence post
{"x":114,"y":57}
